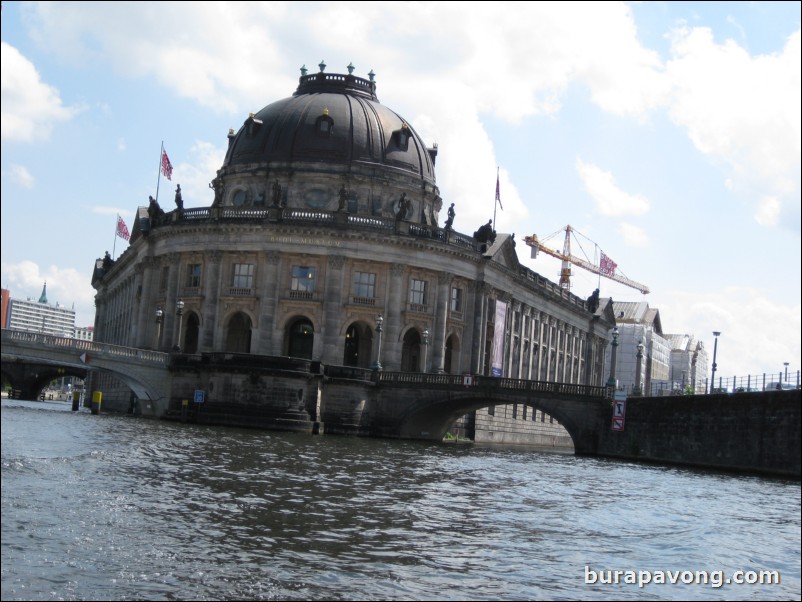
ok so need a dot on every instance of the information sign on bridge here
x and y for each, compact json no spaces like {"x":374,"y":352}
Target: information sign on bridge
{"x":619,"y":410}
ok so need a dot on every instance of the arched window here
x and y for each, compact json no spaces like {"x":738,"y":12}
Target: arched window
{"x":358,"y":346}
{"x":191,"y":334}
{"x":300,"y":339}
{"x":451,"y":358}
{"x":238,"y":335}
{"x":411,"y":352}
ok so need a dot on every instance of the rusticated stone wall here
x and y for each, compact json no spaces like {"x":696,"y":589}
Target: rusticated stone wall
{"x":744,"y":432}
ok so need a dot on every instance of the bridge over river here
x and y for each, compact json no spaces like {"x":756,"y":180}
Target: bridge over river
{"x":752,"y":432}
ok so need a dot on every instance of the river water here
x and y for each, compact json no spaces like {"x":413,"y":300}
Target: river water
{"x":112,"y":507}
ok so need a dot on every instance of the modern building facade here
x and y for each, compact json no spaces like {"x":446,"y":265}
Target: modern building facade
{"x":41,"y":316}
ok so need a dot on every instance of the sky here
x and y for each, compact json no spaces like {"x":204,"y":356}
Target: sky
{"x":666,"y":134}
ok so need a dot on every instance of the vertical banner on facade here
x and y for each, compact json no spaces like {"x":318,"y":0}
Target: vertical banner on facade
{"x":497,"y":365}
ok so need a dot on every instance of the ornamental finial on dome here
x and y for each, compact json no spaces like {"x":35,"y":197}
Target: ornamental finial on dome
{"x":322,"y":66}
{"x":350,"y":68}
{"x":371,"y":75}
{"x":304,"y":70}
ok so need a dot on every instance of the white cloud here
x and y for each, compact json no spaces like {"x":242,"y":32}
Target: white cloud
{"x":30,"y":108}
{"x":755,"y":330}
{"x":633,"y":235}
{"x":609,"y":198}
{"x":22,"y":176}
{"x":741,"y":109}
{"x":768,"y":211}
{"x":194,"y":176}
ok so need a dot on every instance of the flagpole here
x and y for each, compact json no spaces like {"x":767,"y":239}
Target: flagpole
{"x":114,"y":246}
{"x":495,"y":201}
{"x":158,"y":180}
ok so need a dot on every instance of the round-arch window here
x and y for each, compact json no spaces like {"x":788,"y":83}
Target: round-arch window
{"x":239,"y":198}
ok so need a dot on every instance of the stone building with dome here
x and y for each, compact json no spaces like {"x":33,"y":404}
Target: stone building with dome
{"x":325,"y":242}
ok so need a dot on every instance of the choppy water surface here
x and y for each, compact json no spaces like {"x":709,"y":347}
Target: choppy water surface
{"x":117,"y":508}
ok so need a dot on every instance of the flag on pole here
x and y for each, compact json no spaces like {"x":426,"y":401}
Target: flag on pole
{"x":607,"y":266}
{"x":167,"y":167}
{"x":122,"y":229}
{"x":498,"y":194}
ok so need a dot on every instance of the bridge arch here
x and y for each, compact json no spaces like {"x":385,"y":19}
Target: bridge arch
{"x":430,"y":417}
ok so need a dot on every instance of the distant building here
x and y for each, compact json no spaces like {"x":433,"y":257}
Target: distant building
{"x":41,"y":316}
{"x":84,"y":333}
{"x":670,"y":362}
{"x":4,"y":301}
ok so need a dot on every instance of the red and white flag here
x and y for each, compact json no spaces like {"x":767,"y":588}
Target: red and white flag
{"x":122,"y":229}
{"x":167,"y":167}
{"x":607,"y":266}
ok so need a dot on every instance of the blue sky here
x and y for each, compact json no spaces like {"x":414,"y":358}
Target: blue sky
{"x":666,"y":134}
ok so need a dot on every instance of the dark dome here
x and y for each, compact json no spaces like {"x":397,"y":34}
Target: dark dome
{"x":333,"y":119}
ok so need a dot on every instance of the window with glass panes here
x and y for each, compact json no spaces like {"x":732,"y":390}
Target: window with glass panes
{"x":242,"y":275}
{"x":193,"y":275}
{"x":303,"y":278}
{"x":417,"y":292}
{"x":456,"y":299}
{"x":364,"y":284}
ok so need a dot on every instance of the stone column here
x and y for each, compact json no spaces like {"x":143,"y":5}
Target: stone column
{"x":271,"y":284}
{"x":211,"y":300}
{"x":479,"y":327}
{"x":440,"y":322}
{"x":468,"y":334}
{"x":170,"y":319}
{"x":393,"y":306}
{"x":332,"y":351}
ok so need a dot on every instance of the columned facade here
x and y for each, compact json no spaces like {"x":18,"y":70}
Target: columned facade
{"x":325,"y":217}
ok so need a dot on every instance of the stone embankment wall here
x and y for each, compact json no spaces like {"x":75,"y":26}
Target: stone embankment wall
{"x":744,"y":432}
{"x":519,"y":424}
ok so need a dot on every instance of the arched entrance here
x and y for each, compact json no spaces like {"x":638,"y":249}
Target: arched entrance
{"x":451,"y":357}
{"x":191,"y":333}
{"x":300,"y":339}
{"x":238,"y":334}
{"x":411,"y":351}
{"x":358,"y":345}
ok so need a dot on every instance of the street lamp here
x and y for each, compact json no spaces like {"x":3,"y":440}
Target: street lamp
{"x":179,"y":311}
{"x":377,"y":365}
{"x":425,"y":347}
{"x":639,"y":356}
{"x":786,"y":371}
{"x":611,"y":382}
{"x":159,"y":317}
{"x":716,"y":334}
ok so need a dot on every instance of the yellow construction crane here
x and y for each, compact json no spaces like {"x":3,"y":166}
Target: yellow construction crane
{"x":607,"y":269}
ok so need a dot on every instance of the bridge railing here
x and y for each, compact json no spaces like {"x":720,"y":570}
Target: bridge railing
{"x":90,"y":347}
{"x":503,"y":384}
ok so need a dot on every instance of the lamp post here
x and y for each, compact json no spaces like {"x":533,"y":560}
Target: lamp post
{"x":159,"y":317}
{"x":639,"y":366}
{"x":786,"y":371}
{"x":611,"y":382}
{"x":377,"y":365}
{"x":179,"y":311}
{"x":425,"y":347}
{"x":716,"y":334}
